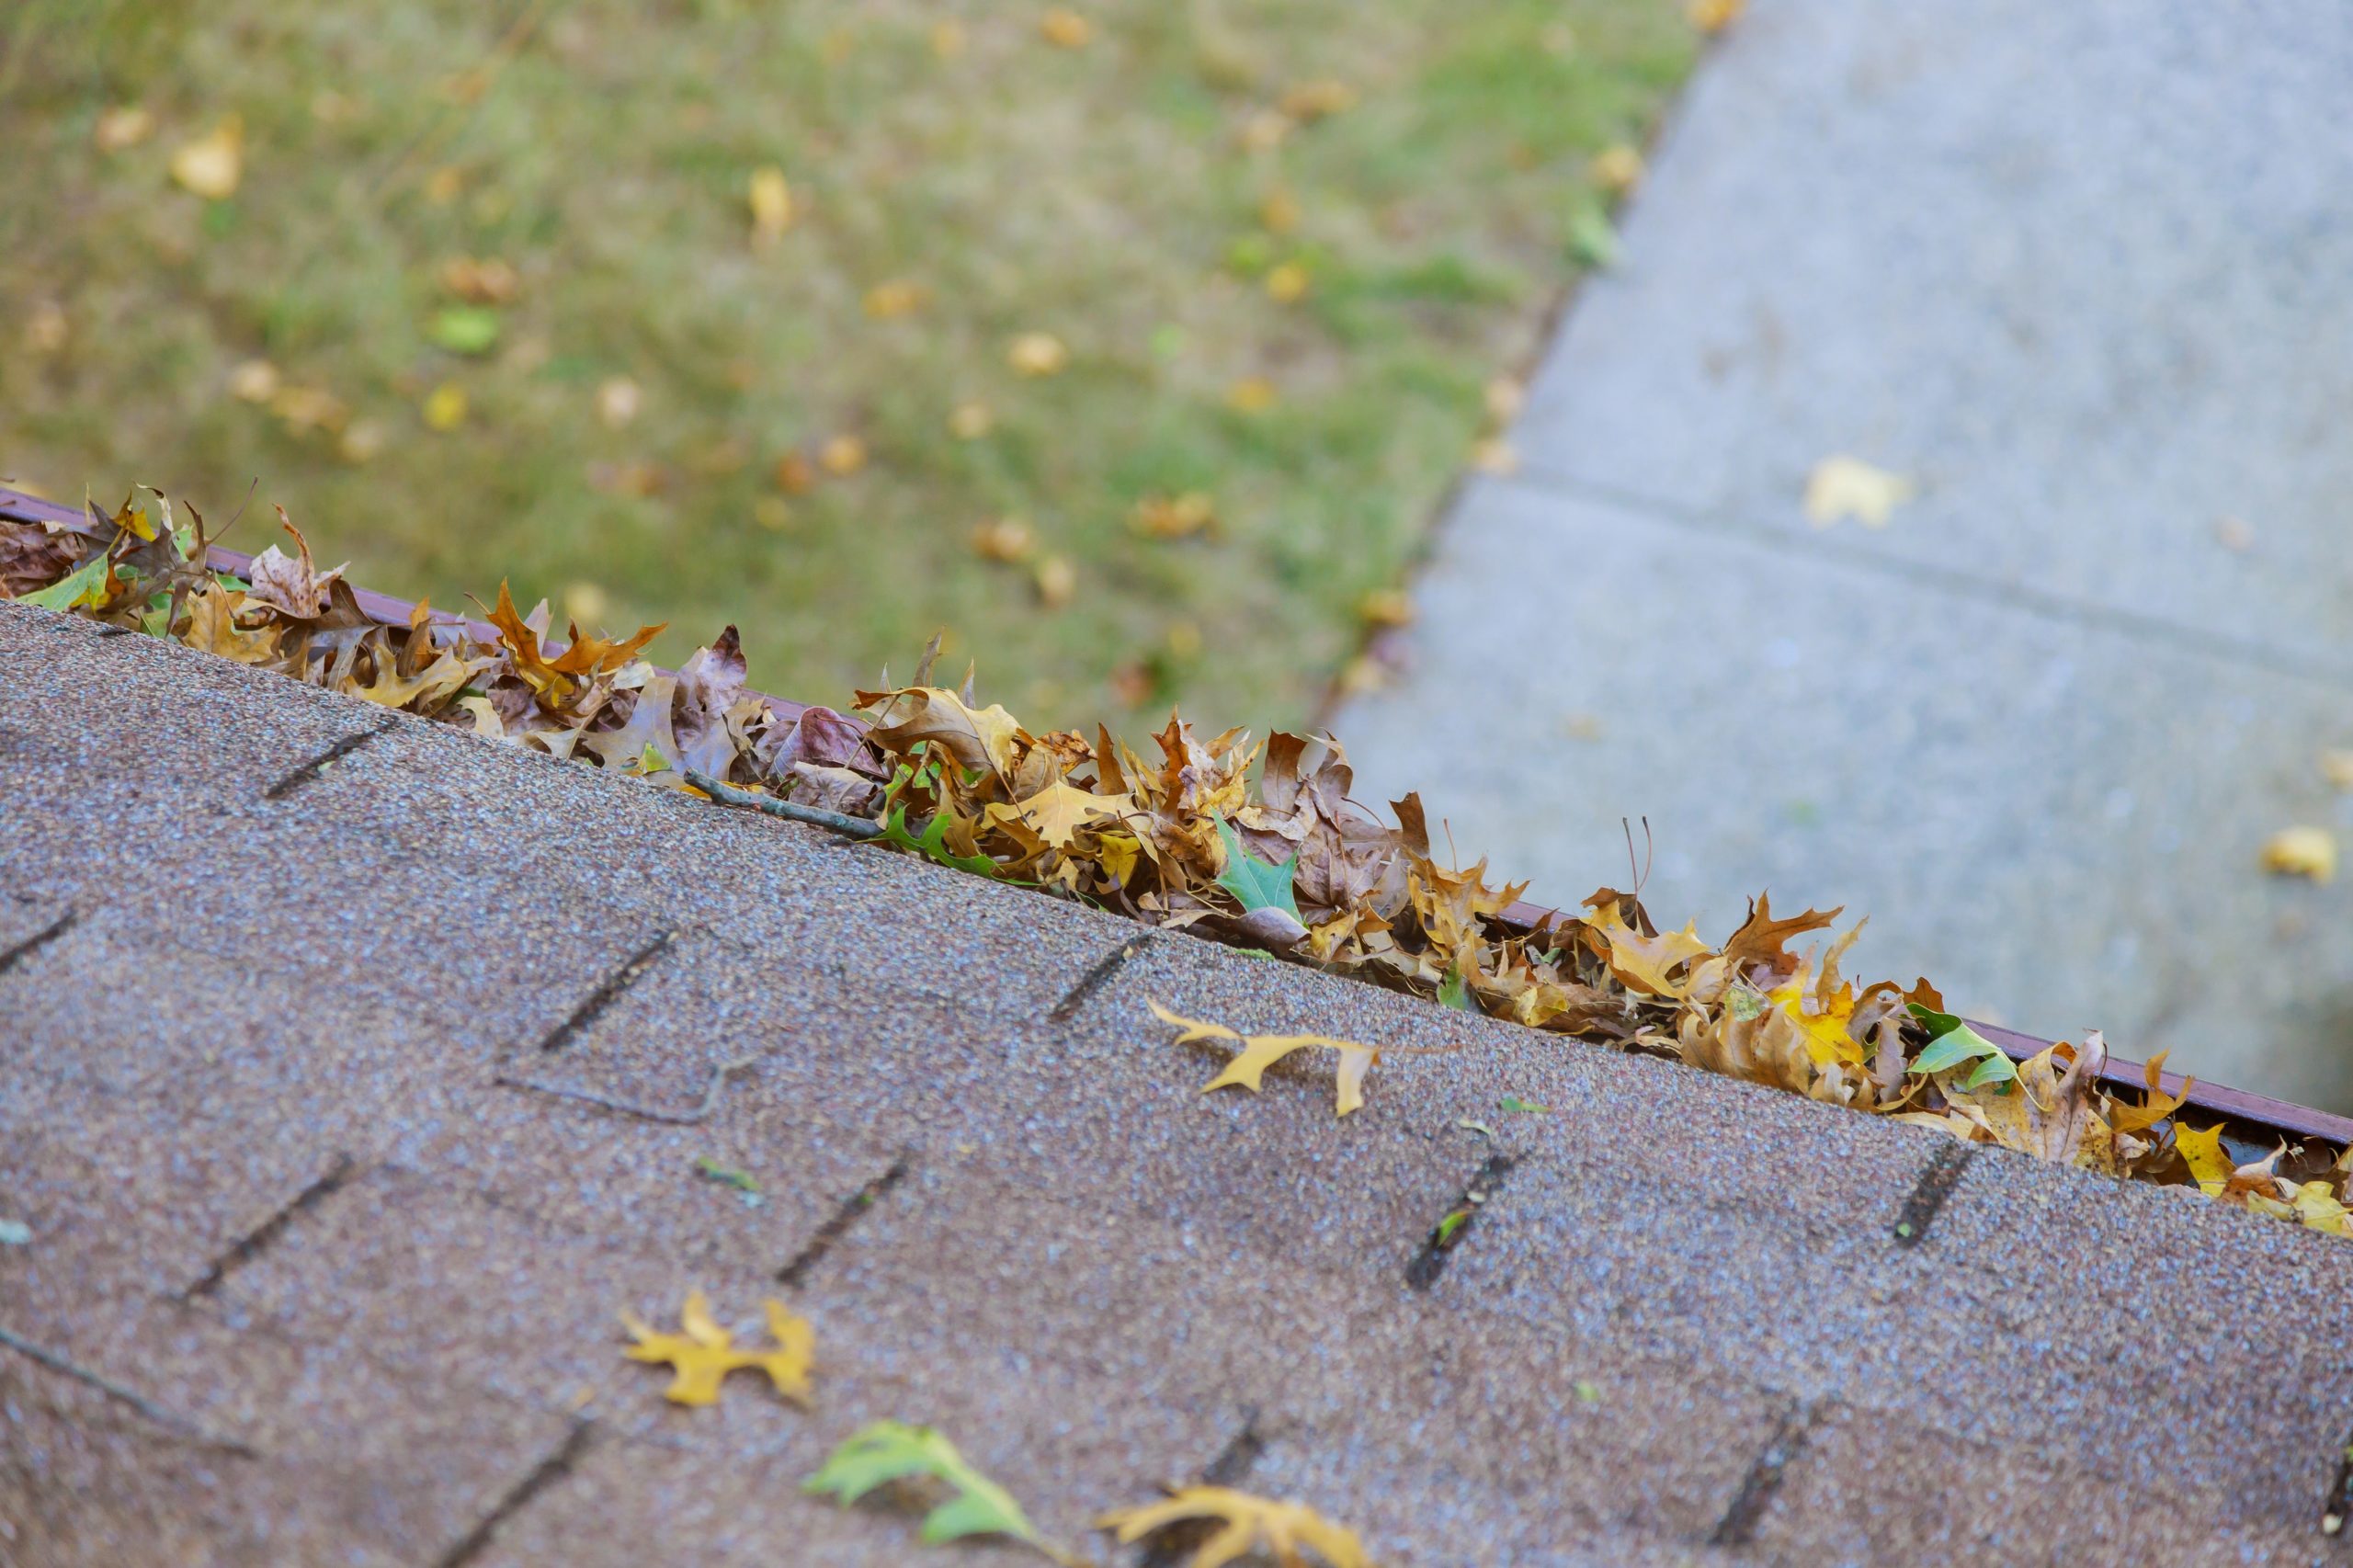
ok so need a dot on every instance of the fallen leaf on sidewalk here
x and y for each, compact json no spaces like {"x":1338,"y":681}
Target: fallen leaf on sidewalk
{"x":705,"y":1353}
{"x":2301,"y":852}
{"x":1843,"y":487}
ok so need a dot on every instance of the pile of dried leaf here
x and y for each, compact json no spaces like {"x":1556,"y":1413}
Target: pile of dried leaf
{"x":1288,"y":864}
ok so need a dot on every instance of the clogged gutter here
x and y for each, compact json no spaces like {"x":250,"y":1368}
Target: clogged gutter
{"x":1285,"y":862}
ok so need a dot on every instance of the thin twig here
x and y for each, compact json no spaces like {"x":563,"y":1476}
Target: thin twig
{"x":831,"y":821}
{"x":139,"y":1402}
{"x":719,"y":1076}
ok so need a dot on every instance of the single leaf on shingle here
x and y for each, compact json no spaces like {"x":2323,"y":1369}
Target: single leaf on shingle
{"x":1246,"y":1522}
{"x":706,"y":1353}
{"x":1260,"y":1051}
{"x":892,"y":1451}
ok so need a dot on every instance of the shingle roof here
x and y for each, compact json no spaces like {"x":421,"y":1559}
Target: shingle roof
{"x":366,"y":1294}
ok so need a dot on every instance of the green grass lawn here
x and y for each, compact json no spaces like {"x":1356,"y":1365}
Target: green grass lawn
{"x":1142,"y":197}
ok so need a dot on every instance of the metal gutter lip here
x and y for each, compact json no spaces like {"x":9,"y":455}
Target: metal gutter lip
{"x":2252,"y":1111}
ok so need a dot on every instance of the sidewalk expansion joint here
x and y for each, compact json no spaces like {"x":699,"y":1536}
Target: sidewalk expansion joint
{"x":1447,"y":1233}
{"x":1937,"y":1181}
{"x":609,"y":990}
{"x":309,"y":772}
{"x":254,"y":1241}
{"x":546,"y":1473}
{"x":837,"y":1224}
{"x":1095,"y":979}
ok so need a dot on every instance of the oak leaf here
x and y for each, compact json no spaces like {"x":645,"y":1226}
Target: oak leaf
{"x":1246,"y":1522}
{"x":983,"y":737}
{"x":1647,"y":963}
{"x":892,"y":1451}
{"x":1060,"y":810}
{"x":293,"y":585}
{"x":1260,"y":1051}
{"x":706,"y":1353}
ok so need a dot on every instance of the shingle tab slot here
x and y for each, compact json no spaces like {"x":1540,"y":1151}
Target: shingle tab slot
{"x":546,"y":1473}
{"x":1738,"y":1526}
{"x":311,"y":770}
{"x":1095,"y":978}
{"x":609,"y":990}
{"x":838,"y":1223}
{"x":1444,"y":1237}
{"x":37,"y":941}
{"x":1937,"y":1181}
{"x":270,"y":1229}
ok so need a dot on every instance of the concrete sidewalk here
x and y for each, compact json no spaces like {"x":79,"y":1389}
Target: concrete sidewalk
{"x":2082,"y":273}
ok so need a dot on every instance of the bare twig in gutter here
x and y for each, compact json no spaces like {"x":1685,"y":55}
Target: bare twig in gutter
{"x":719,"y":1077}
{"x":170,"y":1420}
{"x":831,"y":821}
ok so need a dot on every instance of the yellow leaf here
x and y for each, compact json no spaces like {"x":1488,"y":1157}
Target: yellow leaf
{"x":1385,"y":608}
{"x":1287,"y":283}
{"x":1252,"y":394}
{"x":2301,"y":852}
{"x":976,"y":737}
{"x":1495,"y":456}
{"x":1712,"y":17}
{"x":126,"y":125}
{"x":1826,"y":1036}
{"x":842,"y":455}
{"x":1116,"y":854}
{"x":1061,"y":809}
{"x":771,"y":201}
{"x":1617,"y":169}
{"x":1310,"y":101}
{"x":211,"y":626}
{"x":1038,"y":354}
{"x":1065,"y":28}
{"x":445,"y":407}
{"x":970,"y":421}
{"x":888,"y":302}
{"x":2128,"y":1118}
{"x":2201,"y":1149}
{"x":213,"y":163}
{"x":1176,"y":517}
{"x":1645,"y":962}
{"x":1057,"y":581}
{"x":1849,"y":487}
{"x":947,"y":39}
{"x":618,"y":402}
{"x":706,"y":1353}
{"x":1246,"y":1522}
{"x":1260,"y":1051}
{"x":1278,"y":212}
{"x":1009,"y":539}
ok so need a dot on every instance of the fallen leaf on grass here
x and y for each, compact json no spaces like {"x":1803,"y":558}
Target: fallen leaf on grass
{"x":465,"y":329}
{"x":1287,"y":283}
{"x":1037,"y":354}
{"x":445,"y":407}
{"x":1057,"y":581}
{"x":253,"y":381}
{"x":970,"y":421}
{"x":1386,"y":609}
{"x":126,"y":125}
{"x":1260,"y":1051}
{"x":706,"y":1353}
{"x":891,"y":1451}
{"x":1177,"y":516}
{"x":488,"y":281}
{"x":889,"y":301}
{"x":1307,"y":102}
{"x":618,"y":401}
{"x":2301,"y":852}
{"x":1065,"y":28}
{"x":1849,"y":487}
{"x":1246,"y":1522}
{"x":1712,"y":17}
{"x":842,"y":455}
{"x":213,"y":164}
{"x":1617,"y":169}
{"x":772,"y":202}
{"x":1252,"y":394}
{"x":1009,"y":539}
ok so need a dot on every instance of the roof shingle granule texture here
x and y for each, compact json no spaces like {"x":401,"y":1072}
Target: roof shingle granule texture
{"x":250,"y":1054}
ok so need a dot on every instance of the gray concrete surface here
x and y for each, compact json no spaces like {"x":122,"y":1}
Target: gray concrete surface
{"x":2081,"y":271}
{"x":365,"y":1296}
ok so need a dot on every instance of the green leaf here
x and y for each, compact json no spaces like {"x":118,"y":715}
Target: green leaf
{"x":1528,"y":1107}
{"x":1455,"y":992}
{"x":1256,"y":884}
{"x":1952,"y":1042}
{"x":1448,"y":1226}
{"x":1995,"y":1068}
{"x":891,"y":1451}
{"x":728,"y":1175}
{"x":86,"y":584}
{"x":933,"y":843}
{"x":465,"y":329}
{"x":1591,"y":239}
